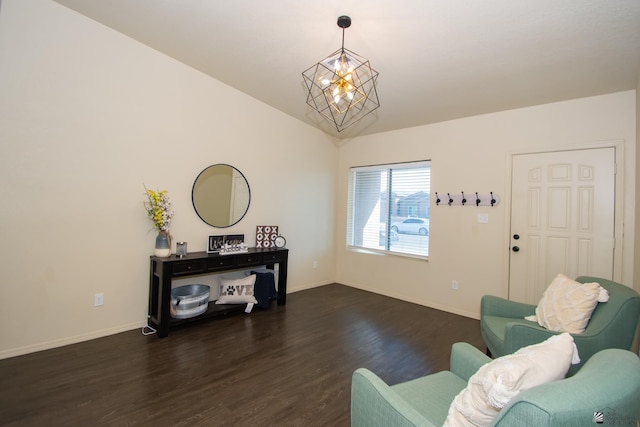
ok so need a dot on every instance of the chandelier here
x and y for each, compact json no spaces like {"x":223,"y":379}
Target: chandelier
{"x":342,"y":86}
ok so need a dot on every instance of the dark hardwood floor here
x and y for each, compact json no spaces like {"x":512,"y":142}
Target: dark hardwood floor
{"x":286,"y":366}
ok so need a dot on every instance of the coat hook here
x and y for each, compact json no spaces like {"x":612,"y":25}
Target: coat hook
{"x":437,"y":199}
{"x":493,"y":200}
{"x":464,"y":199}
{"x":477,"y":199}
{"x":450,"y":199}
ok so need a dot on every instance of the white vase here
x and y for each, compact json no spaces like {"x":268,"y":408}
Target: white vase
{"x":163,"y":245}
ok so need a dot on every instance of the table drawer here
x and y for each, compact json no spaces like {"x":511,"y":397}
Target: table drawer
{"x":219,"y":263}
{"x":189,"y":267}
{"x":269,"y":258}
{"x":251,"y":259}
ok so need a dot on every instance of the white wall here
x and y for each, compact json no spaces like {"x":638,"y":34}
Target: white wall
{"x":472,"y":154}
{"x":89,"y":116}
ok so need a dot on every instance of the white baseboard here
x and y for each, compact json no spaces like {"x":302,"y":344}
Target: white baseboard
{"x":429,"y":304}
{"x":19,"y":351}
{"x":47,"y":345}
{"x":293,"y":289}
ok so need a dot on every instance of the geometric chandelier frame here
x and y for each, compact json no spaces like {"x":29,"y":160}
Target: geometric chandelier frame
{"x":342,"y":86}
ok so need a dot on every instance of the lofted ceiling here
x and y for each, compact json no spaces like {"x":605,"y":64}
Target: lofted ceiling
{"x":438,"y":59}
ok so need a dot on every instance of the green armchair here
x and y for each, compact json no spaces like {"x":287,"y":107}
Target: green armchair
{"x":613,"y":324}
{"x":608,"y":383}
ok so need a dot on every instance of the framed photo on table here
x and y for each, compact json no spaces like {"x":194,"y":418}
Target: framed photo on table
{"x":217,"y":243}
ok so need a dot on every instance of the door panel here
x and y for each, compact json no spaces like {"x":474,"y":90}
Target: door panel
{"x":563,"y":213}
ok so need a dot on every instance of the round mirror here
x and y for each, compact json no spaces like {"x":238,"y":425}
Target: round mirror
{"x":221,"y":195}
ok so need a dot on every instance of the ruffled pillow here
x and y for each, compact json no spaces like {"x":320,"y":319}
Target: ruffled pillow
{"x":499,"y":381}
{"x":567,"y":305}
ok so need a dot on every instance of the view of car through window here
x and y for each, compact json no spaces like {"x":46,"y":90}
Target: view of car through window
{"x":412,"y":226}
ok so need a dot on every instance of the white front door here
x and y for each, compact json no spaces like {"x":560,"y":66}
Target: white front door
{"x":562,"y":218}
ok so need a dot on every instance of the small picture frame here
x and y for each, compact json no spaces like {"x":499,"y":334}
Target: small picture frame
{"x":216,"y":243}
{"x":266,"y":235}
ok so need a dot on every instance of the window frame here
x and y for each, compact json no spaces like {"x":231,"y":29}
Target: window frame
{"x":389,"y":202}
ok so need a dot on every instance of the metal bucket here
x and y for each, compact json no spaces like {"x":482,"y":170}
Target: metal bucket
{"x":189,"y":301}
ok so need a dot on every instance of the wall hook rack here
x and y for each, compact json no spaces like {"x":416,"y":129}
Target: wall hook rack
{"x":482,"y":199}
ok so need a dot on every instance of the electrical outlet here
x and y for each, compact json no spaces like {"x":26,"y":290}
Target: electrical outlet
{"x":98,"y":300}
{"x":454,"y":285}
{"x":315,"y":264}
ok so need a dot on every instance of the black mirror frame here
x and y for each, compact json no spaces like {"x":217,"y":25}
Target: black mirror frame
{"x":193,"y":202}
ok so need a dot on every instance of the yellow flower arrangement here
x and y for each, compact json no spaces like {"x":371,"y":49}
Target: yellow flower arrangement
{"x":158,"y":207}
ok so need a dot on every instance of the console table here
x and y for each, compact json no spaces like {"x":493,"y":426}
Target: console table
{"x":163,"y":270}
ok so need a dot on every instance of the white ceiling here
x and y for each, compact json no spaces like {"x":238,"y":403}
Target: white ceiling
{"x":438,"y":59}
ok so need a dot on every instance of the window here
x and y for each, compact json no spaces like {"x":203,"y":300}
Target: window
{"x":389,"y":208}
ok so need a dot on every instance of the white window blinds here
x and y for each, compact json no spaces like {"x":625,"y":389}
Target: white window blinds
{"x":389,"y":207}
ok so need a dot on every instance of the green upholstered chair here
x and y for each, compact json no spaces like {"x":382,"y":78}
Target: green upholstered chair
{"x":609,"y":382}
{"x":613,"y":324}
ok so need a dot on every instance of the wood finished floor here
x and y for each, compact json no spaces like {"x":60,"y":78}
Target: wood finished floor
{"x":287,"y":366}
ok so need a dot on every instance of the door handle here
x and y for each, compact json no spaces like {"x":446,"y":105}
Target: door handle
{"x":516,"y":236}
{"x":515,"y":249}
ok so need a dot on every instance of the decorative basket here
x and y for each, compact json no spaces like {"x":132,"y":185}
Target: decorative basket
{"x":189,"y":301}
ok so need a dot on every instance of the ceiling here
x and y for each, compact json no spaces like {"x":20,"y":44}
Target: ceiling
{"x":438,"y":59}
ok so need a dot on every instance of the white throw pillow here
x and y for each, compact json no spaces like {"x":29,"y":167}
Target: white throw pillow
{"x":237,"y":291}
{"x":498,"y":381}
{"x":567,"y":305}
